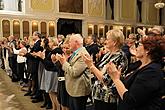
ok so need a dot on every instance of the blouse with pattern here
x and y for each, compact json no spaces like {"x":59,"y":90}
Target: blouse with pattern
{"x":105,"y":90}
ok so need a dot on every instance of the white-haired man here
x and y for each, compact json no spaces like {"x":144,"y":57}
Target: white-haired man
{"x":77,"y":82}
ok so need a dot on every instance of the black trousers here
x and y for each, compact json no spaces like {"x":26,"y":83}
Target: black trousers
{"x":13,"y":66}
{"x":77,"y":103}
{"x":21,"y":70}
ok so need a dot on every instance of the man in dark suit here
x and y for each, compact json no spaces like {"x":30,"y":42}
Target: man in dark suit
{"x":12,"y":58}
{"x":92,"y":47}
{"x":36,"y":94}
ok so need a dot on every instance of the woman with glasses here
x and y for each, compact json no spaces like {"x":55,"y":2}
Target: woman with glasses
{"x":142,"y":90}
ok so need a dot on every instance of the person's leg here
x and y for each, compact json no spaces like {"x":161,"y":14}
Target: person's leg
{"x":55,"y":103}
{"x":29,"y":88}
{"x":49,"y":102}
{"x":65,"y":108}
{"x":20,"y":71}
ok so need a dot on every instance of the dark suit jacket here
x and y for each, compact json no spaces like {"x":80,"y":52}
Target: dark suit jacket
{"x":49,"y":65}
{"x":145,"y":87}
{"x":93,"y":49}
{"x":34,"y":61}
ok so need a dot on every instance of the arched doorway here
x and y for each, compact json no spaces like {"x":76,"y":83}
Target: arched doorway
{"x":69,"y":26}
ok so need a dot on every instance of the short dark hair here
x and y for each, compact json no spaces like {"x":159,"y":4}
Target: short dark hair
{"x":94,"y":38}
{"x":155,"y":45}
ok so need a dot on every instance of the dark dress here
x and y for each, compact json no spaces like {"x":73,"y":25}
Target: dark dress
{"x":62,"y":94}
{"x":145,"y":88}
{"x":33,"y":61}
{"x":49,"y":79}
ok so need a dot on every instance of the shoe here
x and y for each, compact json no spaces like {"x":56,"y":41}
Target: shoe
{"x":37,"y":100}
{"x":28,"y":93}
{"x":34,"y":97}
{"x":49,"y":106}
{"x":14,"y":80}
{"x":44,"y":105}
{"x":32,"y":94}
{"x":21,"y":82}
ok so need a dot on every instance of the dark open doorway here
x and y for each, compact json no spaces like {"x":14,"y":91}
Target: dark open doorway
{"x":69,"y":26}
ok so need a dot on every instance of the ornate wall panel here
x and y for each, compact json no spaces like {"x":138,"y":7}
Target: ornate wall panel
{"x":43,"y":28}
{"x":71,"y":6}
{"x":25,"y":28}
{"x":42,"y":5}
{"x":6,"y":28}
{"x":16,"y":28}
{"x":95,"y":7}
{"x":153,"y":14}
{"x":128,"y":10}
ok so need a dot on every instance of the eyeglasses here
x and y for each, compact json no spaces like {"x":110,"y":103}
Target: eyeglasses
{"x":137,"y":44}
{"x":65,"y":48}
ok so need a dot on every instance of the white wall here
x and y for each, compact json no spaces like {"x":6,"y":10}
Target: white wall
{"x":11,"y":5}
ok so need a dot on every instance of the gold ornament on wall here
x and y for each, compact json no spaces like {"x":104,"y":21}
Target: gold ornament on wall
{"x":42,"y":5}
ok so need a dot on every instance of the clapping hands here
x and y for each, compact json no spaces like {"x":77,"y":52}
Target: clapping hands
{"x":39,"y":54}
{"x":113,"y":71}
{"x":87,"y":59}
{"x":60,"y":58}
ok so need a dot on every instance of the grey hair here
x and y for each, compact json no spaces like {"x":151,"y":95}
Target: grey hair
{"x":78,"y":38}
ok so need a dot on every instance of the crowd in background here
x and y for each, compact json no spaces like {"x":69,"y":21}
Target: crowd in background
{"x":78,"y":73}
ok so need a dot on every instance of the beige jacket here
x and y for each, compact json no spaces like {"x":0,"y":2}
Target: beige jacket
{"x":77,"y":84}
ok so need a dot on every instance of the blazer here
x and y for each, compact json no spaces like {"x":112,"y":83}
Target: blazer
{"x":34,"y":61}
{"x":145,"y":89}
{"x":76,"y":81}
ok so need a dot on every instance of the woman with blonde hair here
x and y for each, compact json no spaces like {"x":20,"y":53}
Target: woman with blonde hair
{"x":51,"y":81}
{"x":103,"y":93}
{"x":63,"y":96}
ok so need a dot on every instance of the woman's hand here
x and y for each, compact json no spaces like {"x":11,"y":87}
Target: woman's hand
{"x":88,"y":60}
{"x":113,"y":71}
{"x":61,"y":58}
{"x":53,"y":57}
{"x":23,"y":51}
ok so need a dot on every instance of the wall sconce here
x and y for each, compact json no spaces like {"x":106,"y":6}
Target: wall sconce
{"x":149,"y":29}
{"x":51,"y":24}
{"x":16,"y":23}
{"x":129,"y":28}
{"x":35,"y":23}
{"x":102,"y":27}
{"x":90,"y":26}
{"x":118,"y":27}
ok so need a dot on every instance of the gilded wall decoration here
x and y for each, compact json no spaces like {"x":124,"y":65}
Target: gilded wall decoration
{"x":95,"y":7}
{"x":71,"y":6}
{"x":42,"y":5}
